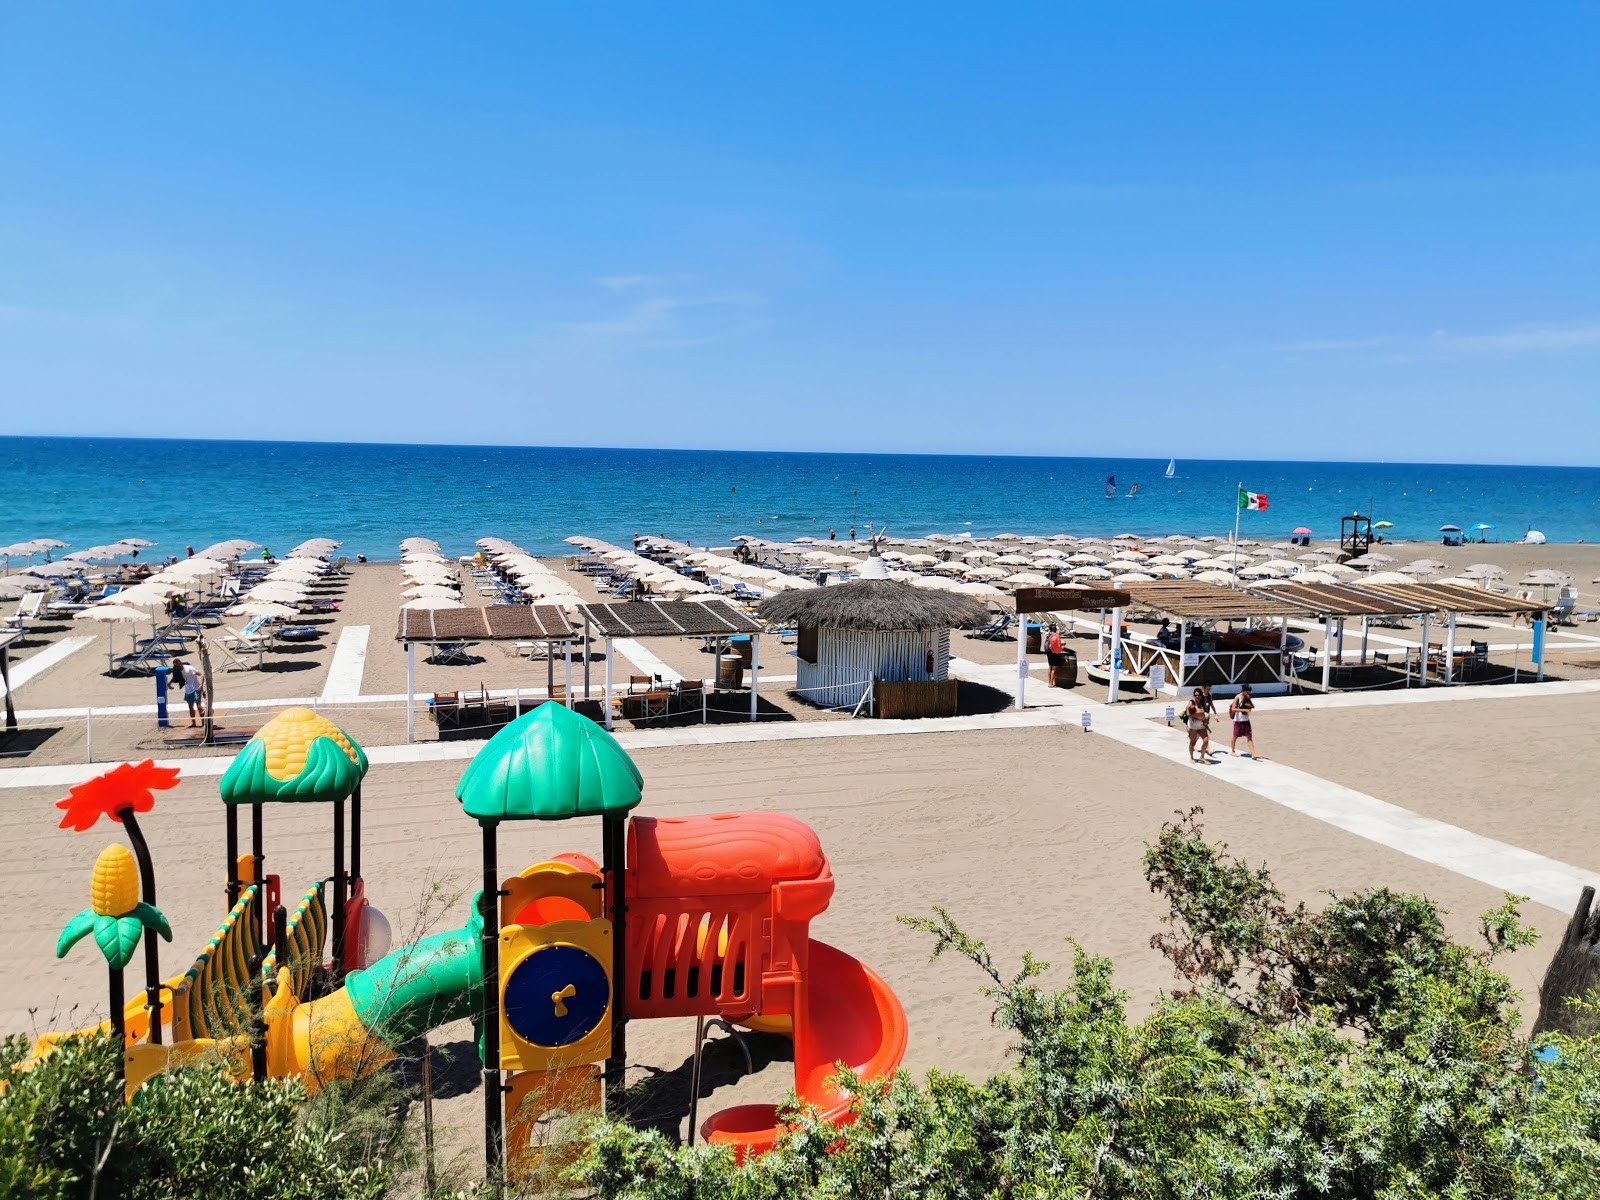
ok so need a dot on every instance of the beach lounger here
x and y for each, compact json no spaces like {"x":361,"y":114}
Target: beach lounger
{"x":226,"y":660}
{"x":254,"y":636}
{"x":996,"y":629}
{"x":1566,"y":605}
{"x":450,"y":653}
{"x":32,"y":608}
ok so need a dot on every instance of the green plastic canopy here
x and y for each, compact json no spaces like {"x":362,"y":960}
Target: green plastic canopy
{"x":298,"y":757}
{"x":549,"y":765}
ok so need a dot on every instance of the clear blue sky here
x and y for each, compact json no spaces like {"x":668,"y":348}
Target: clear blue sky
{"x":1270,"y":230}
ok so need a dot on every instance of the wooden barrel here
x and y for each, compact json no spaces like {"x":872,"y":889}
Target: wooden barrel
{"x":1034,"y":635}
{"x":1064,"y":671}
{"x":730,"y":671}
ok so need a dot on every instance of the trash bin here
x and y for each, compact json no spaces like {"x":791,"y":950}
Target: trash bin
{"x":730,"y":671}
{"x":1064,"y":671}
{"x":1034,"y":633}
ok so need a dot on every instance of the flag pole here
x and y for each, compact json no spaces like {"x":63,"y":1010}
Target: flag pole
{"x":1236,"y":510}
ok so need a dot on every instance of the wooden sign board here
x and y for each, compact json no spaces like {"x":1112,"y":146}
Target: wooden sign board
{"x":1032,"y":600}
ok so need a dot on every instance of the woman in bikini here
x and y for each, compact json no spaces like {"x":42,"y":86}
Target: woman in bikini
{"x":1198,"y":725}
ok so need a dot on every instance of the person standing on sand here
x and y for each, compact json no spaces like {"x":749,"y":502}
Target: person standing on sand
{"x":1240,"y":711}
{"x":1198,"y":725}
{"x":194,"y":687}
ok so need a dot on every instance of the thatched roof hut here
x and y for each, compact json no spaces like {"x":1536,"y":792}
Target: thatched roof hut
{"x":876,"y":605}
{"x":876,"y":638}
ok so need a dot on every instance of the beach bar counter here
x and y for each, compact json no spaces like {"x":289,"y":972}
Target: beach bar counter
{"x":1199,"y":652}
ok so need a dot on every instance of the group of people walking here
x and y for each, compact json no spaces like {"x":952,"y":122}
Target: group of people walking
{"x":1198,"y":715}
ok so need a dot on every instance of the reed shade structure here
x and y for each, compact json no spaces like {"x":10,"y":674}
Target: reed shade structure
{"x":1455,"y":600}
{"x":496,"y":623}
{"x":1196,"y":601}
{"x":855,"y":635}
{"x":1334,"y":603}
{"x":670,"y":618}
{"x":1190,"y":664}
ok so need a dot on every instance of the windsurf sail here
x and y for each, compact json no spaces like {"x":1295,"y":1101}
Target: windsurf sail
{"x":1111,"y":486}
{"x":1172,"y":468}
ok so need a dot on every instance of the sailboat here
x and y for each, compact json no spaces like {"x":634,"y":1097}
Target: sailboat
{"x":1172,"y":468}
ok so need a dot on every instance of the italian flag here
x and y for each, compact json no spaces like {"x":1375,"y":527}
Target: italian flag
{"x":1255,"y":501}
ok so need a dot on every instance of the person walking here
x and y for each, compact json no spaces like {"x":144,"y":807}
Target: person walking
{"x":1239,"y":711}
{"x":194,"y":686}
{"x":1198,"y":725}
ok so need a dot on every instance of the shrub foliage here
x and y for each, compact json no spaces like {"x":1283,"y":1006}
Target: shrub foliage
{"x":1348,"y":1051}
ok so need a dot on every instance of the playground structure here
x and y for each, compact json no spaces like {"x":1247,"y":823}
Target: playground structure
{"x":705,"y":917}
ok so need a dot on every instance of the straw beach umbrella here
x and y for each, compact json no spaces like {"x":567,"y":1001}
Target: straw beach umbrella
{"x":263,"y":608}
{"x":111,"y":614}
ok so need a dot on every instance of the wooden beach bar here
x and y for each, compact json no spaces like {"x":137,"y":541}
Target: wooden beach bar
{"x":875,"y":642}
{"x":1202,"y":653}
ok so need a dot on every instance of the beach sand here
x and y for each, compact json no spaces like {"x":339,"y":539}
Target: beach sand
{"x":1028,"y":836}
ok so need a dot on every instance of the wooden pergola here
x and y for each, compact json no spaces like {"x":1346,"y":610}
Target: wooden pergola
{"x":671,"y":618}
{"x":1335,"y":603}
{"x":495,"y":623}
{"x":1189,"y":601}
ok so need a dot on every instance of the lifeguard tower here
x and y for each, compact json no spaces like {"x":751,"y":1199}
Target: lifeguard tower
{"x":1355,"y":536}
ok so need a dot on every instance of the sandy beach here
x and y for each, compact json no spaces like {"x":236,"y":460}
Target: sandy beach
{"x":1029,"y":834}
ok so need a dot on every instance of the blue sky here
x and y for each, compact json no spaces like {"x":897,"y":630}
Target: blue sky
{"x":1277,"y":231}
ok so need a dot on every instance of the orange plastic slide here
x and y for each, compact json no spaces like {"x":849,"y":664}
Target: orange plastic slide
{"x":850,"y":1016}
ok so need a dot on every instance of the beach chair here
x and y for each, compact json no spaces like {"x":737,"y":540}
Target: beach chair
{"x":640,"y":683}
{"x":224,"y":659}
{"x":32,"y":608}
{"x":254,"y":636}
{"x":995,"y":629}
{"x":449,"y":654}
{"x":1566,"y":605}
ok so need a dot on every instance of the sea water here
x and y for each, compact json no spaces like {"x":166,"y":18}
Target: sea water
{"x":87,"y":491}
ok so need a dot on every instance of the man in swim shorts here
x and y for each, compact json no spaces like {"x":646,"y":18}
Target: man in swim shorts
{"x":1240,"y":710}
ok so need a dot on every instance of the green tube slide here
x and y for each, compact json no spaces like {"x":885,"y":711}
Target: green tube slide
{"x":431,"y":982}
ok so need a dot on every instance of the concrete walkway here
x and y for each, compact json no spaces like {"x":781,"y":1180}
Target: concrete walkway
{"x":70,"y":774}
{"x":36,"y":665}
{"x":1497,"y":864}
{"x":348,"y":665}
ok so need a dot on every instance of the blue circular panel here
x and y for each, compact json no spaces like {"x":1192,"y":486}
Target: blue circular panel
{"x":532,"y":1008}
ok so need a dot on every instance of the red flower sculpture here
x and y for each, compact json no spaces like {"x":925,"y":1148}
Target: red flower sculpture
{"x":126,"y":787}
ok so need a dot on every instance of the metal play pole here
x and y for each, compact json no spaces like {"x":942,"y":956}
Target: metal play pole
{"x":489,"y":968}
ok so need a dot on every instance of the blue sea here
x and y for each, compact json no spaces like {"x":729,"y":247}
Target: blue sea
{"x":87,"y":491}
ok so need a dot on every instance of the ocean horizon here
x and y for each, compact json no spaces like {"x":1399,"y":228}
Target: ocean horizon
{"x":181,"y":492}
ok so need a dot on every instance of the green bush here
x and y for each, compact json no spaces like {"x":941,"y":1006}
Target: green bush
{"x":64,"y":1133}
{"x":1351,"y":1052}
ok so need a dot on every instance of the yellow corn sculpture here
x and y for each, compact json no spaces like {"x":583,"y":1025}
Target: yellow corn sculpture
{"x":115,"y":915}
